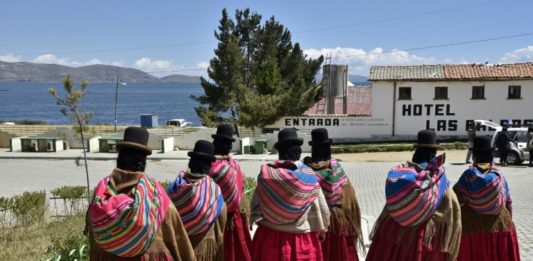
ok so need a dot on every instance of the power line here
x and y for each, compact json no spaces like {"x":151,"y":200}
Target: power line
{"x":442,"y":45}
{"x":396,"y":18}
{"x":382,"y":20}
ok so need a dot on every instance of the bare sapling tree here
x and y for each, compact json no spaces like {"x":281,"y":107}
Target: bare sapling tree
{"x":80,"y":118}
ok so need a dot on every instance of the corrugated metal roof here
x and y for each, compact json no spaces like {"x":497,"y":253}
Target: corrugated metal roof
{"x":411,"y":72}
{"x":359,"y":103}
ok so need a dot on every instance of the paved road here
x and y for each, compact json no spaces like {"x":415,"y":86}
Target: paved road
{"x":19,"y":175}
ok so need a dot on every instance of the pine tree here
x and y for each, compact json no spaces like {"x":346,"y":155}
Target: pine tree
{"x":257,"y":75}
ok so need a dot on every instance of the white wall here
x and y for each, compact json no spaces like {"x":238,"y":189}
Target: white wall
{"x":59,"y":145}
{"x":16,"y":145}
{"x":449,"y":117}
{"x":94,"y":144}
{"x":338,"y":126}
{"x":167,"y":144}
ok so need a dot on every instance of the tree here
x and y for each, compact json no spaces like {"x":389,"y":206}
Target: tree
{"x":257,"y":75}
{"x":70,"y":108}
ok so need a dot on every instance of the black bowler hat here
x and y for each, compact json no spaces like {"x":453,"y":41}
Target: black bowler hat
{"x":288,"y":136}
{"x":319,"y":136}
{"x":426,"y":139}
{"x":203,"y":150}
{"x":135,"y":138}
{"x":482,"y":143}
{"x":224,"y":131}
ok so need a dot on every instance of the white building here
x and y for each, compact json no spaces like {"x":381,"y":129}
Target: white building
{"x":448,"y":98}
{"x":406,"y":99}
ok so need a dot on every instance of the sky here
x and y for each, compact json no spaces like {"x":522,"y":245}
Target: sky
{"x":177,"y":37}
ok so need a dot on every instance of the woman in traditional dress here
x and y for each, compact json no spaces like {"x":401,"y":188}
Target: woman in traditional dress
{"x":421,"y":219}
{"x":131,"y":216}
{"x":344,"y":231}
{"x":288,"y":206}
{"x":200,"y":204}
{"x":488,"y":229}
{"x":227,"y":174}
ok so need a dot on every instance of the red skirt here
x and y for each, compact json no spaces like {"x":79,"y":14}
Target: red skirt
{"x":237,"y":239}
{"x":489,"y":246}
{"x":385,"y":245}
{"x":273,"y":245}
{"x":339,"y":245}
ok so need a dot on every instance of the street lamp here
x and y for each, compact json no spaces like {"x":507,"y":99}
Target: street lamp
{"x":116,"y":101}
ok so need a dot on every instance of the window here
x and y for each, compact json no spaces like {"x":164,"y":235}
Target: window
{"x":441,"y":93}
{"x":405,"y":93}
{"x":514,"y":92}
{"x":478,"y":92}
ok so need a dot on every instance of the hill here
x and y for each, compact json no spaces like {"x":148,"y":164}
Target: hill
{"x":180,"y":78}
{"x":37,"y":72}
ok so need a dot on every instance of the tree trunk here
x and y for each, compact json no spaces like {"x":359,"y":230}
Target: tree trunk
{"x":235,"y":124}
{"x":84,"y":156}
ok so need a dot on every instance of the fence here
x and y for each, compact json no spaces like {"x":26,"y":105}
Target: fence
{"x":24,"y":210}
{"x":62,"y":207}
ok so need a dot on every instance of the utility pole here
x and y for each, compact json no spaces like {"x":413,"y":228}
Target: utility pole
{"x":116,"y":101}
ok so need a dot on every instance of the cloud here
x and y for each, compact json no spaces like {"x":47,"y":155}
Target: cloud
{"x":203,"y":65}
{"x":359,"y":60}
{"x":52,"y":59}
{"x":518,"y":55}
{"x":10,"y":58}
{"x":149,"y":65}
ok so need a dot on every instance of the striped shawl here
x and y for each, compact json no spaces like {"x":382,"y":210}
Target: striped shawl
{"x":125,"y":224}
{"x":413,"y":193}
{"x":331,"y":178}
{"x":486,"y":192}
{"x":285,"y":190}
{"x":198,"y":199}
{"x":227,"y":174}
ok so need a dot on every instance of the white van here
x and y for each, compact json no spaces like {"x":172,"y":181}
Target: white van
{"x":518,"y":152}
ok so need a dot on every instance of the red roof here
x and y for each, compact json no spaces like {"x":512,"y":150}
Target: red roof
{"x":359,"y":103}
{"x":468,"y":71}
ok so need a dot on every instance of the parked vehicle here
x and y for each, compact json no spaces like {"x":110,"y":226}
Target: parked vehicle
{"x":518,"y":152}
{"x":179,"y":123}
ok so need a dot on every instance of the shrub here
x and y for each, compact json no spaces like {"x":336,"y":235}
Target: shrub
{"x":69,"y":192}
{"x":27,"y":208}
{"x":74,"y":199}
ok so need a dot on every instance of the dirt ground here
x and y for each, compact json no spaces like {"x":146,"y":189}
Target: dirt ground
{"x":452,"y":156}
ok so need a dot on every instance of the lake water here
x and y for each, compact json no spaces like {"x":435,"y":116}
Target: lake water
{"x":31,"y":101}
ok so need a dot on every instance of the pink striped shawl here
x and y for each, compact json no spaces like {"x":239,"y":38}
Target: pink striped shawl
{"x":227,"y":174}
{"x":199,"y":202}
{"x":125,"y":225}
{"x":285,"y":190}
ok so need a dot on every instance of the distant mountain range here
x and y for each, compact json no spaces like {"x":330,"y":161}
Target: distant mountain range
{"x":98,"y":73}
{"x":358,"y":79}
{"x":353,"y":78}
